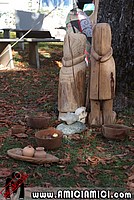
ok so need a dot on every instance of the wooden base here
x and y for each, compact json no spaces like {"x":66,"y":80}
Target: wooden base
{"x":108,"y":114}
{"x":48,"y":159}
{"x":95,"y":117}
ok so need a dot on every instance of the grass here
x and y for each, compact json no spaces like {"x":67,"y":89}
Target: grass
{"x":106,"y":163}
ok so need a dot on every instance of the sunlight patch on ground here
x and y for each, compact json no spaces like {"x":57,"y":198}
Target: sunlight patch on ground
{"x":16,"y":68}
{"x":45,"y":54}
{"x":58,"y":63}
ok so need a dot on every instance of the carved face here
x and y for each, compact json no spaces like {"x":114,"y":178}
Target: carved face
{"x":102,"y":38}
{"x":74,"y":45}
{"x":81,"y":112}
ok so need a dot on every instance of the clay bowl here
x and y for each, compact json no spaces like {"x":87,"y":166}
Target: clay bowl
{"x":18,"y":129}
{"x":50,"y":138}
{"x":39,"y":122}
{"x":115,"y":131}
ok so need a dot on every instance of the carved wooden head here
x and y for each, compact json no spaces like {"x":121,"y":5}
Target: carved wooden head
{"x":74,"y":45}
{"x":102,"y":38}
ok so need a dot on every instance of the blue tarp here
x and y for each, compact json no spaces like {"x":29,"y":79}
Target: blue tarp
{"x":64,"y":3}
{"x":55,"y":3}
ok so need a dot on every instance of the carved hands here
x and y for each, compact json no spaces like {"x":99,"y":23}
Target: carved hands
{"x":99,"y":58}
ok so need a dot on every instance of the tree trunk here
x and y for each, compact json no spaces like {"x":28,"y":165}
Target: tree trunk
{"x":120,"y":15}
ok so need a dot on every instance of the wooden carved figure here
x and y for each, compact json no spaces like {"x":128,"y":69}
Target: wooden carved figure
{"x":102,"y":81}
{"x":71,"y":91}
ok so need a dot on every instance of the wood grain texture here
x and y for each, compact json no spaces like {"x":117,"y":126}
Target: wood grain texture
{"x":72,"y":77}
{"x":102,"y":81}
{"x":71,"y":94}
{"x":102,"y":85}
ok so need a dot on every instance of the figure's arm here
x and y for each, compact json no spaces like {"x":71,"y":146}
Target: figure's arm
{"x":95,"y":55}
{"x":107,"y":56}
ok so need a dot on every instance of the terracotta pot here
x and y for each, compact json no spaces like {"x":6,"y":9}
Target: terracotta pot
{"x":28,"y":151}
{"x":39,"y":152}
{"x":115,"y":131}
{"x":39,"y":122}
{"x":19,"y":152}
{"x":18,"y":129}
{"x":50,"y":138}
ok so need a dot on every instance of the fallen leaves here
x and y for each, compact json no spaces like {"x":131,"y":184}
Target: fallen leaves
{"x":94,"y":160}
{"x":80,"y":170}
{"x":53,"y":173}
{"x":43,"y":99}
{"x":4,"y":136}
{"x":5,"y":172}
{"x":130,"y":183}
{"x":90,"y":174}
{"x":30,"y":90}
{"x":101,"y":149}
{"x":20,"y":135}
{"x":130,"y":180}
{"x":66,"y":160}
{"x":131,"y":148}
{"x":6,"y":110}
{"x":37,"y":175}
{"x":5,"y":122}
{"x":120,"y":121}
{"x":74,"y":137}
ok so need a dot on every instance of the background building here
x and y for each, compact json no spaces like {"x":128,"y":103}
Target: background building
{"x":33,"y":8}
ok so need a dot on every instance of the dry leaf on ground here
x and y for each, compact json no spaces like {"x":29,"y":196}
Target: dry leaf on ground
{"x":43,"y":99}
{"x":37,"y":175}
{"x":20,"y":135}
{"x":65,"y":175}
{"x":74,"y":137}
{"x":80,"y":170}
{"x":120,"y":121}
{"x":52,"y":173}
{"x":94,"y":160}
{"x":65,"y":160}
{"x":101,"y":149}
{"x":130,"y":183}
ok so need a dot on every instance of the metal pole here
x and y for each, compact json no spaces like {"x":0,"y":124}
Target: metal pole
{"x":39,"y":6}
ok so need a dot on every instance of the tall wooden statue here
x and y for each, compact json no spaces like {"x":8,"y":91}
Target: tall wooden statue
{"x":102,"y":81}
{"x":71,"y":91}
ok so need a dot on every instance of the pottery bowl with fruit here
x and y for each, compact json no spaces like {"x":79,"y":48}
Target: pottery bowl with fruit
{"x":50,"y":138}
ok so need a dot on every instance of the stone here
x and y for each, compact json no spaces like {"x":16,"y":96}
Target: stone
{"x":81,"y":112}
{"x":76,"y":127}
{"x":69,"y":118}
